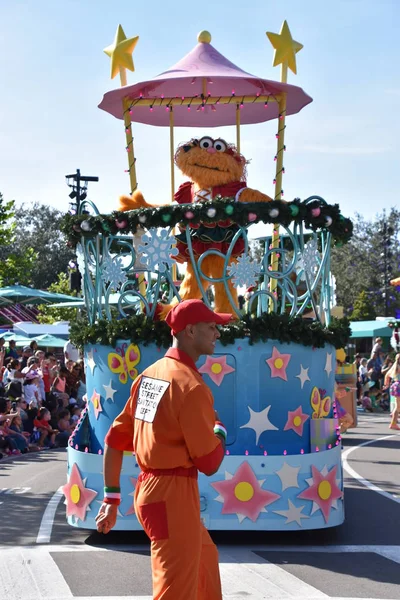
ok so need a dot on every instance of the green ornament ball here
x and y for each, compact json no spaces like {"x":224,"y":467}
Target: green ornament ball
{"x":294,"y":210}
{"x":229,"y":209}
{"x":166,"y":218}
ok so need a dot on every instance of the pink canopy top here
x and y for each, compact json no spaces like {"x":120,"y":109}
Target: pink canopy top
{"x":185,"y":81}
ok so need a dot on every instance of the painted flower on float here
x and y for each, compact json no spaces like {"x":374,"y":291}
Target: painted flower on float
{"x":323,"y":490}
{"x":278,"y":363}
{"x":296,"y":420}
{"x":96,"y":401}
{"x":216,"y":368}
{"x":77,"y":495}
{"x":242,"y":494}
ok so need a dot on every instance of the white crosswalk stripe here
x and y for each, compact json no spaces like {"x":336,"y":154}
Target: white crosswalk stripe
{"x":30,"y":573}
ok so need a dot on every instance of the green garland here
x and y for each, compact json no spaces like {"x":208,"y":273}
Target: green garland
{"x":315,"y":215}
{"x":285,"y":329}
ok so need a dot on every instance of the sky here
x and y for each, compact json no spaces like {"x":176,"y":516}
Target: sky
{"x":344,"y":146}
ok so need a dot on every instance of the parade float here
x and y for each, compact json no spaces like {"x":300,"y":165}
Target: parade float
{"x":273,"y":372}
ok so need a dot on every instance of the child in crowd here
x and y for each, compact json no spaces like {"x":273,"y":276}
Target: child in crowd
{"x":47,"y":433}
{"x":65,"y":427}
{"x":31,"y":388}
{"x":75,"y":414}
{"x":59,"y":387}
{"x":366,"y":402}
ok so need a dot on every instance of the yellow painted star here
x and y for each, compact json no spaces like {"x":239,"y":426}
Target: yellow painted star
{"x":120,"y":52}
{"x":285,"y":47}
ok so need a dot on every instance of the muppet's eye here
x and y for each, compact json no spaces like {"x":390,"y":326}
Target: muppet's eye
{"x":205,"y":143}
{"x":220,"y":145}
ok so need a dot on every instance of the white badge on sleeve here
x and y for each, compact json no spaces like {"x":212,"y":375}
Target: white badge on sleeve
{"x":149,"y":397}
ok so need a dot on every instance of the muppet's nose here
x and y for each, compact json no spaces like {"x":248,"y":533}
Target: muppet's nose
{"x":211,"y":150}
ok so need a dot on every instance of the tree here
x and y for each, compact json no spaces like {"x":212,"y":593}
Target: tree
{"x":358,"y":266}
{"x":363,"y":308}
{"x":38,"y":226}
{"x":51,"y":315}
{"x":16,"y":264}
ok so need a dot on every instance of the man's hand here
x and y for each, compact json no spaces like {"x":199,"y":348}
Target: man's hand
{"x":106,"y":518}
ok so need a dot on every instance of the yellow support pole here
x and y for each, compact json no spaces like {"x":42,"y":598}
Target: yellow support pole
{"x":172,"y":159}
{"x":238,"y":127}
{"x":172,"y":151}
{"x":278,"y":179}
{"x":286,"y":49}
{"x":130,"y":150}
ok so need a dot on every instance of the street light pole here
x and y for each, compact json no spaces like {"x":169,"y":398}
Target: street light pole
{"x":79,"y":193}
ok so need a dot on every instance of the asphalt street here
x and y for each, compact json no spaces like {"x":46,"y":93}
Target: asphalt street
{"x":42,"y":557}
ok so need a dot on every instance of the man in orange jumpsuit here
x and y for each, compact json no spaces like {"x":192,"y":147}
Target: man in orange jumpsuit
{"x":170,"y":423}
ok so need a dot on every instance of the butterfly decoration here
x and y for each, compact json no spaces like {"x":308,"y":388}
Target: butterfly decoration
{"x":124,"y":360}
{"x":321,"y":405}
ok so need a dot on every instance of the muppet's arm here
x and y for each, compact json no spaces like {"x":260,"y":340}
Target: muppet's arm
{"x":250,"y":195}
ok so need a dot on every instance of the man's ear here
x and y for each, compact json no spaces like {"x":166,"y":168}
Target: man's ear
{"x":190,"y":331}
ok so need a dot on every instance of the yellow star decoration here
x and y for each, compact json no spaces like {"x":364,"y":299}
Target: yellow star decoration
{"x":120,"y":52}
{"x":285,"y":47}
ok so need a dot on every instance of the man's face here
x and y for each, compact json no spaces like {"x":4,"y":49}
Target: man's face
{"x":205,"y":336}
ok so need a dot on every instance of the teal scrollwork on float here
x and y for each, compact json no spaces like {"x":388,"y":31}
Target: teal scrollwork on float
{"x":127,"y":259}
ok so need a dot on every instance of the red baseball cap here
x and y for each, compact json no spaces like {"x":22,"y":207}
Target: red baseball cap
{"x":190,"y":312}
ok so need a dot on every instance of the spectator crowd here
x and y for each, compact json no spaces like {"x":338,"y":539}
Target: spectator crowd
{"x":41,"y":397}
{"x":375,"y":377}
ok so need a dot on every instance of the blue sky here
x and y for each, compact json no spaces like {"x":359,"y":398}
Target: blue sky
{"x":344,"y":146}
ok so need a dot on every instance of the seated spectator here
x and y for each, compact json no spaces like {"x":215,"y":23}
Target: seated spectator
{"x":17,"y":433}
{"x":75,"y":415}
{"x":11,"y":351}
{"x":21,"y":408}
{"x":49,"y":373}
{"x":59,"y":387}
{"x":26,"y":353}
{"x":31,"y":388}
{"x":73,"y":378}
{"x":65,"y":428}
{"x":47,"y":433}
{"x":366,"y":402}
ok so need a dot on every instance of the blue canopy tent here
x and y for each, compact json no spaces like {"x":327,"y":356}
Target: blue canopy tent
{"x":371,"y":329}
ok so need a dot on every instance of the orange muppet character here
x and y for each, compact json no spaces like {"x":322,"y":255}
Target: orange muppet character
{"x":215,"y":168}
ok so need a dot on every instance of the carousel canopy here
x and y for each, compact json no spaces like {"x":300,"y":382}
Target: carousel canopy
{"x":204,"y":75}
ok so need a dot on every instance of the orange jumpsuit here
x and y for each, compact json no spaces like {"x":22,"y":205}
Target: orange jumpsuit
{"x":168,"y":422}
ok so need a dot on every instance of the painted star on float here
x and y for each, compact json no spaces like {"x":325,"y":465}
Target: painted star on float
{"x":303,"y":375}
{"x":259,"y":421}
{"x":77,"y":496}
{"x":96,"y":401}
{"x":285,"y":46}
{"x":90,"y":362}
{"x":328,"y":364}
{"x":109,"y":391}
{"x":216,"y":368}
{"x":323,"y":490}
{"x":278,"y":363}
{"x":120,"y":52}
{"x":292,"y":514}
{"x":296,"y":420}
{"x":131,"y":509}
{"x":288,"y":476}
{"x":242,"y":494}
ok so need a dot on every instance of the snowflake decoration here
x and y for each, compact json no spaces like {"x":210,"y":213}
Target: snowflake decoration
{"x":80,"y":258}
{"x":113,"y":272}
{"x":157,"y":250}
{"x":244,"y":272}
{"x":308,"y":262}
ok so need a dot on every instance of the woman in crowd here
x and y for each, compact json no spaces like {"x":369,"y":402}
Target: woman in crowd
{"x":392,"y":380}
